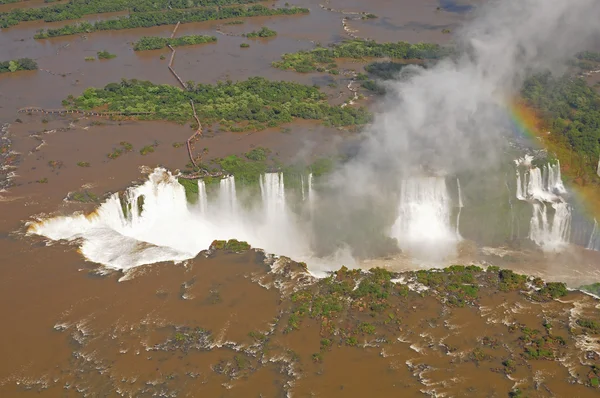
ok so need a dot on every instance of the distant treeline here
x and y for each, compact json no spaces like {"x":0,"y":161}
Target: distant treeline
{"x":18,"y":64}
{"x":171,"y":17}
{"x":253,"y":104}
{"x":76,"y":9}
{"x":572,"y":111}
{"x":322,"y":59}
{"x":155,"y":43}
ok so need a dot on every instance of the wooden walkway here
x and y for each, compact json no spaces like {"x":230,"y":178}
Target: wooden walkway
{"x":189,"y":142}
{"x":79,"y":112}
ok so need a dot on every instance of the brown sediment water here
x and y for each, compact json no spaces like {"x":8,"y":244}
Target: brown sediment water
{"x":217,"y":325}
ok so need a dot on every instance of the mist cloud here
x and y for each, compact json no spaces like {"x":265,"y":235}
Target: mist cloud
{"x":451,"y":118}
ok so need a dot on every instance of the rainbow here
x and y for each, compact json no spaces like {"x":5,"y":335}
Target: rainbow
{"x":530,"y":126}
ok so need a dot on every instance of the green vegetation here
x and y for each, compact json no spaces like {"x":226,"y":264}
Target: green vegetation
{"x":571,"y":111}
{"x":263,"y":32}
{"x":586,"y":60}
{"x":244,"y":171}
{"x":126,"y":146}
{"x":540,"y":347}
{"x":83,"y":164}
{"x":254,"y":104}
{"x":155,"y":43}
{"x":17,"y":65}
{"x":511,"y":281}
{"x":90,"y":58}
{"x":232,"y":245}
{"x":591,"y":325}
{"x":43,"y":181}
{"x":191,"y":189}
{"x":147,"y":149}
{"x":76,"y":9}
{"x":83,"y":197}
{"x":170,"y":17}
{"x":244,"y":45}
{"x":235,"y":22}
{"x":322,"y":59}
{"x":258,"y":154}
{"x":105,"y":55}
{"x":594,"y":288}
{"x":9,"y":1}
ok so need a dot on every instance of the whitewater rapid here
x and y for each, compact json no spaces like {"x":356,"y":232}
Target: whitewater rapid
{"x":168,"y":228}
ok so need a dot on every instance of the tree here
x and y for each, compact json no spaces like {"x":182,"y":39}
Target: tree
{"x":13,"y":66}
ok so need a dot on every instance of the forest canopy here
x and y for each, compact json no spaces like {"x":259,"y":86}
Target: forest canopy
{"x":76,"y":9}
{"x":321,"y":59}
{"x":253,"y":104}
{"x":170,"y":17}
{"x":18,"y":64}
{"x":572,"y":111}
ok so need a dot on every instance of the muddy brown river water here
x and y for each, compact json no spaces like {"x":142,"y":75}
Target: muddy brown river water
{"x":218,"y":325}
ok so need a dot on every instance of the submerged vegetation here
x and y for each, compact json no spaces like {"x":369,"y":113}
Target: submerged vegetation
{"x":105,"y":55}
{"x":253,"y":104}
{"x":322,"y":59}
{"x":170,"y":17}
{"x":155,"y":43}
{"x":17,"y":65}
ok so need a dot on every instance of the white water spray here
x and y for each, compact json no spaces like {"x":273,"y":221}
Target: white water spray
{"x":423,"y":224}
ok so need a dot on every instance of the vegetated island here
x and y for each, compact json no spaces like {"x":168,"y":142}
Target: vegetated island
{"x":76,"y":9}
{"x":155,"y":43}
{"x":322,"y":59}
{"x":9,"y":1}
{"x":253,"y":104}
{"x":170,"y":17}
{"x":17,"y":65}
{"x":262,"y":33}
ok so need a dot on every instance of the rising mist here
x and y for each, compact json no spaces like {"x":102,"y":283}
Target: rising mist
{"x":449,"y":119}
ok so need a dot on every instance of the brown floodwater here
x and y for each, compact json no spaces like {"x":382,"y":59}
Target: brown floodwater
{"x":70,"y":330}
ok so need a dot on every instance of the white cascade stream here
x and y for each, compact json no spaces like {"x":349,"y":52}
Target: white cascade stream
{"x":423,"y":226}
{"x":544,"y":189}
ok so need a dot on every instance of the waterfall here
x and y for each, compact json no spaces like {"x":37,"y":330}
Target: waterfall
{"x":228,"y":196}
{"x":311,"y":195}
{"x":202,"y":198}
{"x":273,"y":195}
{"x":154,"y":222}
{"x":594,"y":242}
{"x":460,"y":206}
{"x":423,"y":223}
{"x":544,"y":189}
